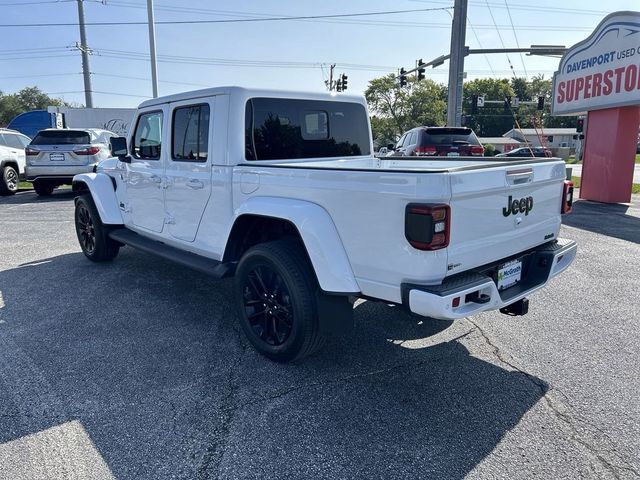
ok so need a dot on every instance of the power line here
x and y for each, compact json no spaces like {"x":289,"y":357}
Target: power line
{"x":233,"y":13}
{"x":41,"y":75}
{"x":147,"y":79}
{"x":499,"y":36}
{"x":40,"y":2}
{"x":68,"y":55}
{"x":526,"y":7}
{"x":181,"y":9}
{"x":526,"y":75}
{"x":235,"y":20}
{"x":181,"y":59}
{"x":486,"y":57}
{"x":100,"y":92}
{"x":386,"y":23}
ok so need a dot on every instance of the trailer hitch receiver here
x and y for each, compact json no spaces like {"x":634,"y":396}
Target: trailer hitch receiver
{"x":521,"y":307}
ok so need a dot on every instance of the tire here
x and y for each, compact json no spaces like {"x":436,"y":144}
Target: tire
{"x":93,"y":235}
{"x":9,"y":180}
{"x":275,"y":289}
{"x":43,"y":189}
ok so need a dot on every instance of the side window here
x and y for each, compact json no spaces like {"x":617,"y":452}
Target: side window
{"x":401,"y":141}
{"x":147,"y":139}
{"x":3,"y":141}
{"x":414,"y":138}
{"x":12,"y":141}
{"x":190,"y":138}
{"x":407,"y":140}
{"x":24,"y":140}
{"x":285,"y":128}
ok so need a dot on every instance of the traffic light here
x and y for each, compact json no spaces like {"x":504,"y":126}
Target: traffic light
{"x":344,"y":82}
{"x":420,"y":70}
{"x":403,"y":77}
{"x":474,"y":103}
{"x":540,"y":103}
{"x":580,"y":125}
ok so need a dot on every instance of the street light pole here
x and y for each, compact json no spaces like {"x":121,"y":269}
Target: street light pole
{"x":152,"y":48}
{"x":84,"y":51}
{"x":456,"y":64}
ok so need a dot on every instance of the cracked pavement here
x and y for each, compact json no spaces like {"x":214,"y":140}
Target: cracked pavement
{"x":138,"y":369}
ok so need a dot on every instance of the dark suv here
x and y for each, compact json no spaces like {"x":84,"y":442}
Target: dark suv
{"x":439,"y":141}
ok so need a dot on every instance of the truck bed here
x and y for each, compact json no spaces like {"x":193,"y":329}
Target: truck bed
{"x":410,"y":164}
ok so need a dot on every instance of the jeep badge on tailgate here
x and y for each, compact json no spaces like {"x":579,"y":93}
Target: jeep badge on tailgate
{"x":524,"y":205}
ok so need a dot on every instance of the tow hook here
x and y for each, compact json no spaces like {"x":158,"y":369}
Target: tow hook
{"x":521,"y":307}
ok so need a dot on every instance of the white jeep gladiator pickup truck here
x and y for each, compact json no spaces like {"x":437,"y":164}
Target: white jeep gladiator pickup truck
{"x":282,"y":191}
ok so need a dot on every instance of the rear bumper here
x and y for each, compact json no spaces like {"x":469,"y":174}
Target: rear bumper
{"x":539,"y":266}
{"x":58,"y":173}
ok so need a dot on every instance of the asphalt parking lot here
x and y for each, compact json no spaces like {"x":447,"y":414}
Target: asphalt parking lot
{"x":138,"y":369}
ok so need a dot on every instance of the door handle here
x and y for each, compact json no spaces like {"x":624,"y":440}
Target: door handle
{"x":195,"y":184}
{"x":155,"y":179}
{"x":516,"y":177}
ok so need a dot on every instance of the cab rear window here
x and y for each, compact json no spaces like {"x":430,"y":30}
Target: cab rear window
{"x":282,"y":129}
{"x":61,"y":137}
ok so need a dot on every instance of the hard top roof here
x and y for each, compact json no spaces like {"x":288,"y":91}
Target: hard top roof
{"x":252,"y":92}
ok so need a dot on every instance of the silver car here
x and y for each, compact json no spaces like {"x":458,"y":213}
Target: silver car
{"x":55,"y":155}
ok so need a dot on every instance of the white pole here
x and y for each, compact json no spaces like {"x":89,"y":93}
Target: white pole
{"x":152,"y":48}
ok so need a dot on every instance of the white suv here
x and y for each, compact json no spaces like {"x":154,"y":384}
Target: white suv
{"x":12,"y":145}
{"x":55,"y":155}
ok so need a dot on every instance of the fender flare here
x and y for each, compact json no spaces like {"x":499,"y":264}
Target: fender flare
{"x":319,"y":235}
{"x":104,"y":196}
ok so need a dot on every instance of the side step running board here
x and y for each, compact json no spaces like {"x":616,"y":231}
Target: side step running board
{"x":196,"y":262}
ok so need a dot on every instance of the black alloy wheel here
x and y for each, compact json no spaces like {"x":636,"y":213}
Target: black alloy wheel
{"x":93,"y":235}
{"x":86,"y":230}
{"x":267,"y":304}
{"x":275,"y":290}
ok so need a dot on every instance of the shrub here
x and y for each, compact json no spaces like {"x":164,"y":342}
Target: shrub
{"x":489,"y":150}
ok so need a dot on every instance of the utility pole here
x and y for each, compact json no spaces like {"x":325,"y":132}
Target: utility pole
{"x":84,"y":50}
{"x":330,"y":83}
{"x":456,"y":64}
{"x":152,"y":48}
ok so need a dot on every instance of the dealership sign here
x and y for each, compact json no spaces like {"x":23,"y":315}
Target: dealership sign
{"x":602,"y":71}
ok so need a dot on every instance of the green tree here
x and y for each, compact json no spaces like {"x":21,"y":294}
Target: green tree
{"x":494,"y":120}
{"x":397,"y":109}
{"x":384,"y":131}
{"x":29,"y":98}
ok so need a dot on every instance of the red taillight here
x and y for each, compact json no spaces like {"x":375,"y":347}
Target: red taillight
{"x":30,"y":152}
{"x":427,"y":226}
{"x":567,"y":197}
{"x":425,"y":151}
{"x":87,"y":151}
{"x":477,"y":150}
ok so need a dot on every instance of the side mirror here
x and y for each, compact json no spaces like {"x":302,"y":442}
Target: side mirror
{"x":391,"y":146}
{"x":119,"y":149}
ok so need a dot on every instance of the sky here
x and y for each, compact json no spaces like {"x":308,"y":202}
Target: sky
{"x":283,"y":54}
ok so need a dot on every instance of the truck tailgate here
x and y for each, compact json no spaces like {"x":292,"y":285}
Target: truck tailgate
{"x":498,"y":212}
